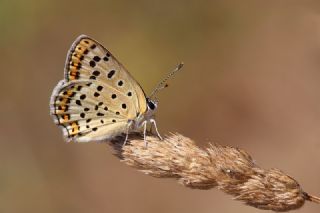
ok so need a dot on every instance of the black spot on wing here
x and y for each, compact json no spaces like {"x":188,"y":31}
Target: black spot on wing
{"x":96,"y":73}
{"x":92,"y":64}
{"x":96,"y":58}
{"x":111,"y":73}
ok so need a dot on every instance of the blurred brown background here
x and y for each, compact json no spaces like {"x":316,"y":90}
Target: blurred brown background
{"x":251,"y":79}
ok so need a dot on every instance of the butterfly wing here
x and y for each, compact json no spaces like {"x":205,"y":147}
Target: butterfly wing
{"x":98,"y":96}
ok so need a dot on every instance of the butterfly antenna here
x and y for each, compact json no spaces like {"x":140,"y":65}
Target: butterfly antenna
{"x":162,"y":83}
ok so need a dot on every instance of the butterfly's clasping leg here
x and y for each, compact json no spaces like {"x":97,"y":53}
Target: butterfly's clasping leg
{"x":152,"y":121}
{"x":145,"y":133}
{"x":127,"y":133}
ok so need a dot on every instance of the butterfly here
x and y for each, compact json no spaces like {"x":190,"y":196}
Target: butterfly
{"x":98,"y":98}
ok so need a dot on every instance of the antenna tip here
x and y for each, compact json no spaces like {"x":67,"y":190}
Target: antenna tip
{"x":180,"y":65}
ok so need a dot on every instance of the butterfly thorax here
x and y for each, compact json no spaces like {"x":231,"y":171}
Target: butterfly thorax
{"x":146,"y":116}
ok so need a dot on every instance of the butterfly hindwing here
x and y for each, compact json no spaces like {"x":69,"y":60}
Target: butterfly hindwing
{"x":83,"y":116}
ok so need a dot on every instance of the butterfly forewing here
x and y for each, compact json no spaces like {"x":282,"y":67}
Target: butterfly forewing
{"x":98,"y":97}
{"x":89,"y":60}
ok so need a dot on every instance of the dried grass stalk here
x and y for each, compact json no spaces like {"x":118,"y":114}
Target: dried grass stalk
{"x":231,"y":170}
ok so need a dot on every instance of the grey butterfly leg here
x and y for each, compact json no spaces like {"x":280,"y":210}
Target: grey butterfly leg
{"x":155,"y":126}
{"x":127,"y":133}
{"x":145,"y":132}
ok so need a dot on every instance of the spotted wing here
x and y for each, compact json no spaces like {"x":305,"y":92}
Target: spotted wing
{"x":98,"y":97}
{"x":89,"y":60}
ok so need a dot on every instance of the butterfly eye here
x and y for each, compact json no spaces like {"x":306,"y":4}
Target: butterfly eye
{"x":151,"y":105}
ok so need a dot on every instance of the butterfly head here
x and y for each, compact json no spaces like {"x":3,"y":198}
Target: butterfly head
{"x":152,"y":105}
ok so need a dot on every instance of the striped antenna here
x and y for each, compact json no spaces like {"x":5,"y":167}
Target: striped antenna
{"x":162,"y":83}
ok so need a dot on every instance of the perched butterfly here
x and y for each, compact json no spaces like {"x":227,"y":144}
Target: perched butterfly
{"x":98,"y":98}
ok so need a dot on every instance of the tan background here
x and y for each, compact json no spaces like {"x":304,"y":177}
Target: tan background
{"x":251,"y":79}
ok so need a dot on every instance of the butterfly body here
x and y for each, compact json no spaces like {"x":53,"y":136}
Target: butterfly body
{"x":98,"y":98}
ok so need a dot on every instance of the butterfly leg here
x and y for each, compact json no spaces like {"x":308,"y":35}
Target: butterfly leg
{"x":152,"y":121}
{"x":125,"y":140}
{"x":127,"y":133}
{"x":145,"y":133}
{"x":150,"y":129}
